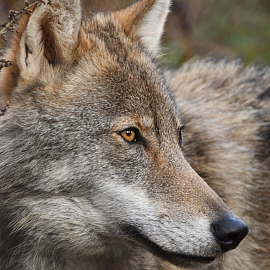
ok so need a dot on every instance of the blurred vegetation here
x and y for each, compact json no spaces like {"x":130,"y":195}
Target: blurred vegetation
{"x":200,"y":27}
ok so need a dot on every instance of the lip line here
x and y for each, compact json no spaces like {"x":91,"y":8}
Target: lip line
{"x":173,"y":257}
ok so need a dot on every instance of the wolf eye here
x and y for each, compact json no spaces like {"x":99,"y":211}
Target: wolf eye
{"x":129,"y":134}
{"x":181,"y":140}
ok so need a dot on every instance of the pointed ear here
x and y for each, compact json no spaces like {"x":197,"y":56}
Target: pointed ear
{"x":50,"y":36}
{"x":145,"y":19}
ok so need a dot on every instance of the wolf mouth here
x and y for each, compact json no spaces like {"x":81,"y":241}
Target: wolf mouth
{"x":177,"y":259}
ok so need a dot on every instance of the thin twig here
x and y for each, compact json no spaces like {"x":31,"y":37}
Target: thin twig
{"x":5,"y":63}
{"x":12,"y":18}
{"x":2,"y":111}
{"x":13,"y":15}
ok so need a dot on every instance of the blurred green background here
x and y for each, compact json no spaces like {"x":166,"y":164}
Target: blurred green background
{"x":235,"y":28}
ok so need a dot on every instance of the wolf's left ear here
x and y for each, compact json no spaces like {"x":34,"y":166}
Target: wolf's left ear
{"x":145,"y":19}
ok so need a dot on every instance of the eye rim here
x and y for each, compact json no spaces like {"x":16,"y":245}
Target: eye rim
{"x":138,"y":139}
{"x":181,"y":138}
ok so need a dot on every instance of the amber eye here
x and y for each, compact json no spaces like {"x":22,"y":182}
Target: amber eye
{"x":129,"y":135}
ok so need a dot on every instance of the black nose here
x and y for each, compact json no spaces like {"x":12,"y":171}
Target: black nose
{"x":229,"y":232}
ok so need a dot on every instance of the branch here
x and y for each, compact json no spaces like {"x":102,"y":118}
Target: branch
{"x":2,"y":111}
{"x":13,"y":15}
{"x":5,"y":63}
{"x":12,"y":18}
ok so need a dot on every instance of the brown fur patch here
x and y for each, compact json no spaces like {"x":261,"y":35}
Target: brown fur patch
{"x":130,"y":17}
{"x":9,"y":76}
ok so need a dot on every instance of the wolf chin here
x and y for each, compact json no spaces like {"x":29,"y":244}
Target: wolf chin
{"x":94,"y":172}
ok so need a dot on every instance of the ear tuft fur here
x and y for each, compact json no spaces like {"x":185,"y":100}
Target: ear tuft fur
{"x":151,"y":27}
{"x":146,"y":20}
{"x":45,"y":39}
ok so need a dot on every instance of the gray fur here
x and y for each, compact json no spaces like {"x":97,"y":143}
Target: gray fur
{"x":226,"y":109}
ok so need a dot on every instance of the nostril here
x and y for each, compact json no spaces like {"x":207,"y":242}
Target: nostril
{"x":229,"y":232}
{"x":226,"y":237}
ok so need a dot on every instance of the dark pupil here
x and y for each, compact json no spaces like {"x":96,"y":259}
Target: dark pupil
{"x":128,"y":133}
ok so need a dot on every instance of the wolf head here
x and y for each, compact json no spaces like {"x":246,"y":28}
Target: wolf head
{"x":91,"y":146}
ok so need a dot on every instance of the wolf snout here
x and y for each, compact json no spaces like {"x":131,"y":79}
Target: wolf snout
{"x":229,"y":232}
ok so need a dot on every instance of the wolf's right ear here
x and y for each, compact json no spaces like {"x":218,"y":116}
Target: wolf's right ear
{"x":50,"y":36}
{"x":145,"y":20}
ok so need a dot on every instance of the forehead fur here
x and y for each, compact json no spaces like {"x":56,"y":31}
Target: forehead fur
{"x":119,"y":65}
{"x":110,"y":48}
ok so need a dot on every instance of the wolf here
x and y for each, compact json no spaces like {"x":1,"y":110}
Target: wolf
{"x":94,"y":172}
